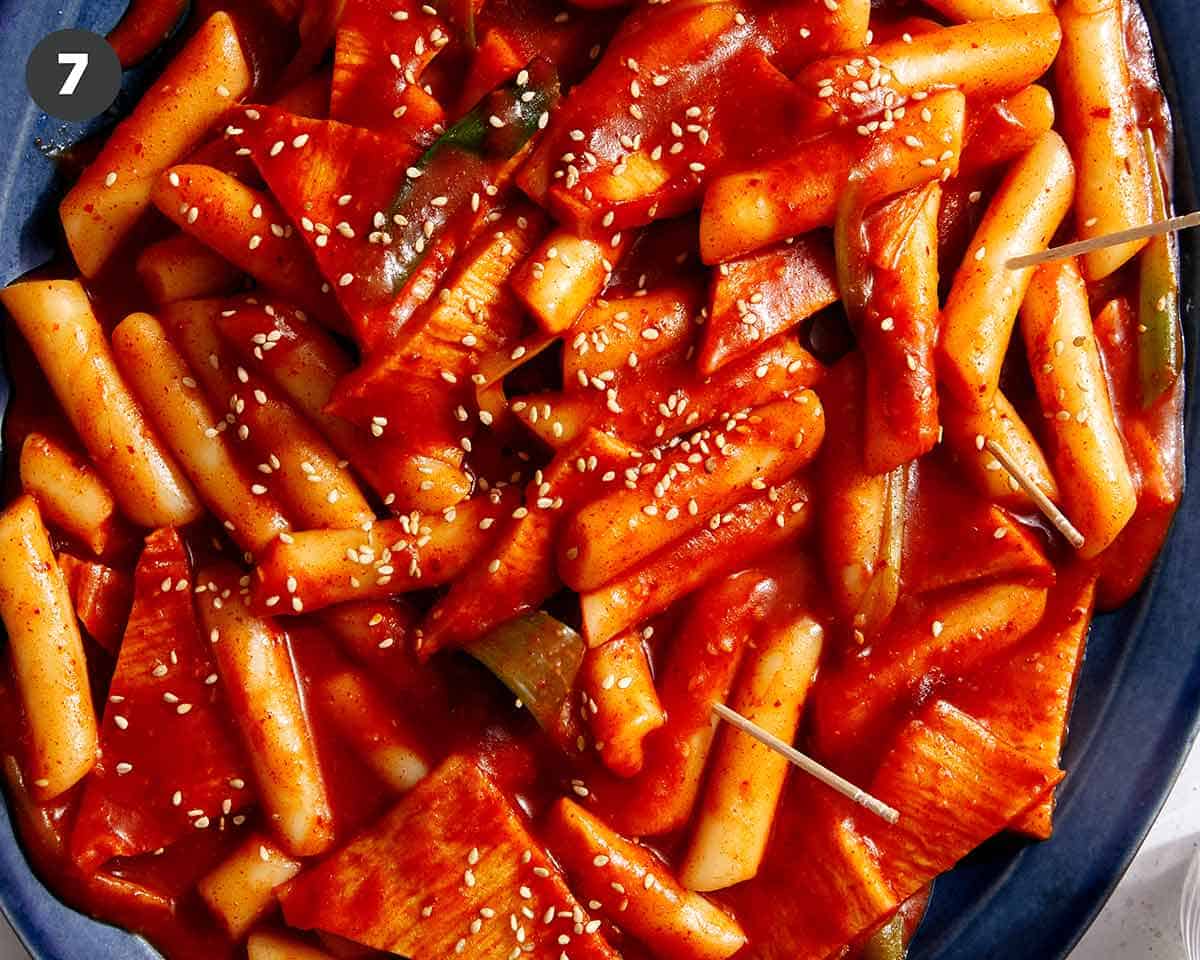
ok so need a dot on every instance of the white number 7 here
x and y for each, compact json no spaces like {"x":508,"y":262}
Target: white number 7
{"x":78,"y":62}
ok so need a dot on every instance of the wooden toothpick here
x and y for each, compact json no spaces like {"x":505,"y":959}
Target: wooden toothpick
{"x":807,"y":763}
{"x":1038,"y":495}
{"x":1183,"y":222}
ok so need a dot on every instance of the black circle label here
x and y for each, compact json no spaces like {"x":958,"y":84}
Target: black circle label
{"x":73,"y":75}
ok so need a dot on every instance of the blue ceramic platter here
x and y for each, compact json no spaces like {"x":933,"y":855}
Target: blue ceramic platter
{"x":1138,"y":703}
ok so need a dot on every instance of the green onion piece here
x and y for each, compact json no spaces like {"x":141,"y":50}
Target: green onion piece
{"x":1160,"y":339}
{"x":888,"y":942}
{"x":518,"y":104}
{"x":537,"y":658}
{"x":884,"y":589}
{"x":461,"y":165}
{"x":851,"y":253}
{"x":472,"y":40}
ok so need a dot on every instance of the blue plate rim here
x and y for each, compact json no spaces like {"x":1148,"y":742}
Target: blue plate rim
{"x":983,"y":906}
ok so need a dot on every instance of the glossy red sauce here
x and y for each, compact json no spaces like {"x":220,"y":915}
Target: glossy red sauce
{"x":467,"y":710}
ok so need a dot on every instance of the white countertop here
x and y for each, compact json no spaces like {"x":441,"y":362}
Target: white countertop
{"x":1140,"y":921}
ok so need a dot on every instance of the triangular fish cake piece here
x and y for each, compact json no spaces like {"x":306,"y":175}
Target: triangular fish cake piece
{"x":428,"y":366}
{"x":452,"y":852}
{"x":170,"y":759}
{"x":956,"y":537}
{"x":513,"y":32}
{"x":929,"y":641}
{"x":381,"y":49}
{"x":336,"y":183}
{"x":101,"y":596}
{"x":955,"y":785}
{"x":759,"y":296}
{"x":833,"y":872}
{"x":820,"y":885}
{"x":387,"y":222}
{"x":1024,"y":696}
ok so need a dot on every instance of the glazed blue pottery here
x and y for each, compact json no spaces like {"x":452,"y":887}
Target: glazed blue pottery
{"x":1139,"y":696}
